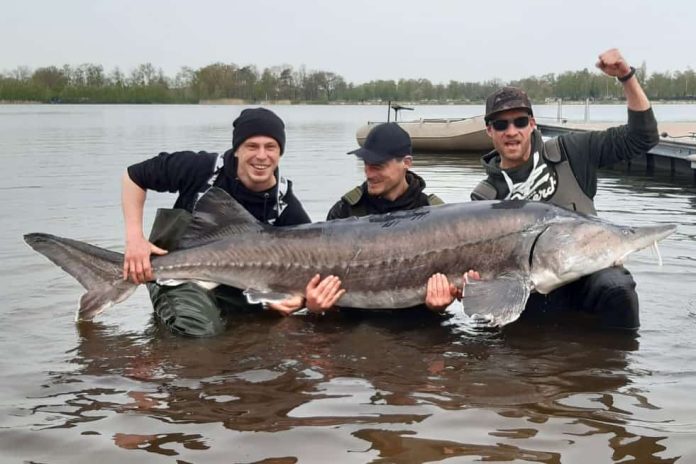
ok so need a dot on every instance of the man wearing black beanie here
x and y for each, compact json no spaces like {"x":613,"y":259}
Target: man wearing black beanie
{"x":258,"y":121}
{"x":249,"y":173}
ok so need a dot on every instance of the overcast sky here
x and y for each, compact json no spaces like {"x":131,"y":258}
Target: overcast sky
{"x":360,"y":40}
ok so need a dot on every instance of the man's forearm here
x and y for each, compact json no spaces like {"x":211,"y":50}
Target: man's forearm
{"x":132,"y":203}
{"x":636,"y":99}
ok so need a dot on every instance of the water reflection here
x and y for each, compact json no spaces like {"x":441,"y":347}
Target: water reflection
{"x":392,"y":382}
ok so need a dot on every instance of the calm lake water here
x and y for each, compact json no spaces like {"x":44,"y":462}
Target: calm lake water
{"x":299,"y":389}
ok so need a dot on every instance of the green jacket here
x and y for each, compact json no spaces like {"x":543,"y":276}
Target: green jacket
{"x":357,"y":202}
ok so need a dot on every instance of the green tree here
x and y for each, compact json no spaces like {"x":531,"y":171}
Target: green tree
{"x":50,"y":77}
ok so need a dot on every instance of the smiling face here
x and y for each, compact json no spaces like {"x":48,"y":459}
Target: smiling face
{"x":388,"y":179}
{"x":514,"y":143}
{"x":257,"y":160}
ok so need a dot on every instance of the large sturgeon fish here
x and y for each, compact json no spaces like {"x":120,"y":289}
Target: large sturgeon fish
{"x":383,"y":261}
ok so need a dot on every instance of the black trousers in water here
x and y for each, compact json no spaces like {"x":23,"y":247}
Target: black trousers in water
{"x":189,"y":309}
{"x":609,"y":294}
{"x":193,"y":311}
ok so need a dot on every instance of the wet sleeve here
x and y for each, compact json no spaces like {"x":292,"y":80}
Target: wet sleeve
{"x":172,"y":172}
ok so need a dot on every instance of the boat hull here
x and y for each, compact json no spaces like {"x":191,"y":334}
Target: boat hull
{"x":441,"y":135}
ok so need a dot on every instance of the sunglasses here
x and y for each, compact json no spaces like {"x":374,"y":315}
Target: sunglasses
{"x":502,"y":124}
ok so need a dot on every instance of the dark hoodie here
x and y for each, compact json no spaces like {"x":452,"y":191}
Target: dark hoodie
{"x":491,"y":163}
{"x":188,"y":174}
{"x":586,"y":152}
{"x":412,"y":198}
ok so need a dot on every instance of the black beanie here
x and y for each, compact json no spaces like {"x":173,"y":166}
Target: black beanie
{"x":257,"y":121}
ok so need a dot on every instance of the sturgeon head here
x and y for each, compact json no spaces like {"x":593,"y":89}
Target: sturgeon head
{"x":569,"y":249}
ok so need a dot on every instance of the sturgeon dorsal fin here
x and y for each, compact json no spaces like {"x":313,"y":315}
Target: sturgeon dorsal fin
{"x":215,"y":216}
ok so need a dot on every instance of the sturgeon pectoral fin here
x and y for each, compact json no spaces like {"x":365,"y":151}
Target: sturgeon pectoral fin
{"x":496,"y":302}
{"x":259,"y":296}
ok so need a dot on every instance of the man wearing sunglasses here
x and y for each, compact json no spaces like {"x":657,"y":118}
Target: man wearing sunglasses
{"x":563,"y":171}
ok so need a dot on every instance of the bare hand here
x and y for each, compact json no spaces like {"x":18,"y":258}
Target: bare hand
{"x":136,"y":262}
{"x":288,"y":306}
{"x":613,"y":64}
{"x":440,"y":293}
{"x":322,"y":296}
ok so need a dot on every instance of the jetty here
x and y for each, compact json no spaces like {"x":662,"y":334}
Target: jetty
{"x":675,"y":153}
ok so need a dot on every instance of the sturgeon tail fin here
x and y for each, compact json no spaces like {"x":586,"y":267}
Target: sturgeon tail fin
{"x":98,"y":270}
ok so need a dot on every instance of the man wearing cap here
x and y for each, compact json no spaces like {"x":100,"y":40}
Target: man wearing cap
{"x":391,"y":186}
{"x":563,"y":171}
{"x":249,"y":173}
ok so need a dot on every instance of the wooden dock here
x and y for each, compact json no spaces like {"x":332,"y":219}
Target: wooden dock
{"x":676,"y":151}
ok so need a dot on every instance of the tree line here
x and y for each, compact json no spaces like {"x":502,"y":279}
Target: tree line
{"x":89,"y":83}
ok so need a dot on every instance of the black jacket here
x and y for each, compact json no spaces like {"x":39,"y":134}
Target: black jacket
{"x":368,"y":204}
{"x":586,"y":152}
{"x":188,"y":174}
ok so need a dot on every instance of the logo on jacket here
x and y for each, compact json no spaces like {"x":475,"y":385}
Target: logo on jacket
{"x":540,"y":184}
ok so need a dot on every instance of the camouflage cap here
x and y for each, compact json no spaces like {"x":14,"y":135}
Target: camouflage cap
{"x":507,"y":98}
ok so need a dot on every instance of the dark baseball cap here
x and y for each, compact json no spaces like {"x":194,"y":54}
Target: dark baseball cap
{"x":507,"y":98}
{"x":384,"y":142}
